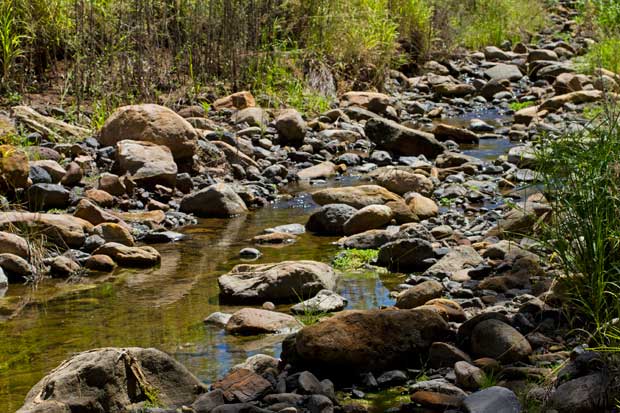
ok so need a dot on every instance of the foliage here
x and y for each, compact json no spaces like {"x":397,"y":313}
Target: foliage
{"x":354,"y":258}
{"x":489,"y":379}
{"x":605,"y":54}
{"x":158,"y":49}
{"x":517,"y":106}
{"x":581,"y":174}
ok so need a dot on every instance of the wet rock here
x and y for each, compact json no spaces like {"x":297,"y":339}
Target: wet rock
{"x":498,"y":340}
{"x":107,"y":379}
{"x":401,"y":181}
{"x":130,"y":256}
{"x":392,"y":378}
{"x":218,"y":200}
{"x":320,"y":404}
{"x":43,"y":197}
{"x":146,"y":163}
{"x":522,"y":156}
{"x":61,"y":228}
{"x":280,"y":282}
{"x":259,"y":363}
{"x":102,"y":263}
{"x":401,"y":140}
{"x":371,"y":340}
{"x":14,"y":168}
{"x":291,"y":127}
{"x":162,"y":237}
{"x":4,"y":281}
{"x":294,"y":229}
{"x":330,"y":219}
{"x":326,"y":301}
{"x":250,"y":253}
{"x":15,"y":268}
{"x":150,"y":123}
{"x":406,"y":255}
{"x":355,"y":196}
{"x":62,"y":266}
{"x":254,"y":321}
{"x":367,"y":218}
{"x":492,"y":400}
{"x":275,"y":238}
{"x":218,"y":319}
{"x":419,"y":294}
{"x":14,"y":244}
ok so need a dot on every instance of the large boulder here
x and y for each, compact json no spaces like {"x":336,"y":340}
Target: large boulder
{"x":330,"y":219}
{"x":14,"y":168}
{"x":362,"y":341}
{"x":401,"y":181}
{"x":65,"y":230}
{"x":218,"y":200}
{"x":401,"y":140}
{"x":147,"y":164}
{"x":254,"y":321}
{"x":111,"y":380}
{"x":291,"y":127}
{"x":150,"y":123}
{"x":280,"y":282}
{"x":355,"y":196}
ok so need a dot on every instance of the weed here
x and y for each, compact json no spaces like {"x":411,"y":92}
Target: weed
{"x":489,"y":379}
{"x":10,"y":40}
{"x":354,"y":258}
{"x":517,"y":106}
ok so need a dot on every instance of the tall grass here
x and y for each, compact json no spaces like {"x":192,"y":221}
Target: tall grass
{"x":582,"y":179}
{"x":604,"y":17}
{"x":172,"y":50}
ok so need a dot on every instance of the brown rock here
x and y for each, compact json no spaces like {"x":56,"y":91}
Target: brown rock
{"x":14,"y":244}
{"x":242,"y":385}
{"x":14,"y":168}
{"x":436,"y":400}
{"x":239,"y":100}
{"x":65,"y":230}
{"x":100,"y":262}
{"x":130,"y":256}
{"x":419,"y":294}
{"x":113,"y":232}
{"x":355,"y":196}
{"x":101,"y":198}
{"x":254,"y":321}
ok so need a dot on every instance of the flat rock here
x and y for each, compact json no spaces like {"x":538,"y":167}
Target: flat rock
{"x":492,"y":400}
{"x":401,"y":140}
{"x":65,"y":230}
{"x":130,"y":256}
{"x":254,"y":321}
{"x":355,"y":196}
{"x":280,"y":282}
{"x":326,"y":301}
{"x":406,"y":255}
{"x":146,"y":163}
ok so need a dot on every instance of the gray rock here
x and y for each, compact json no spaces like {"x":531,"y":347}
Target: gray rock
{"x":218,"y":200}
{"x":582,"y":395}
{"x":437,"y":386}
{"x":280,"y":282}
{"x":326,"y":301}
{"x":291,"y":127}
{"x":147,"y":164}
{"x":330,"y":219}
{"x":218,"y":319}
{"x":295,"y":229}
{"x":468,"y":376}
{"x":406,"y":255}
{"x":503,"y":71}
{"x":205,"y":403}
{"x":42,"y":197}
{"x":250,"y":253}
{"x":254,"y":321}
{"x":492,"y":400}
{"x":320,"y":404}
{"x":498,"y":340}
{"x":392,"y":378}
{"x":458,"y":258}
{"x":39,"y":175}
{"x":104,"y":379}
{"x":401,"y":140}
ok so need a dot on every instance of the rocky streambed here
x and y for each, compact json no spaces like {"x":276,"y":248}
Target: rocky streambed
{"x":167,"y":218}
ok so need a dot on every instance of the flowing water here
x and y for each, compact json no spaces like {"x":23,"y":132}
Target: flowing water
{"x":164,"y":307}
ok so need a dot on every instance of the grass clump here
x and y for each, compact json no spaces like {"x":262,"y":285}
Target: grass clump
{"x":603,"y":19}
{"x":354,"y":259}
{"x":581,"y":175}
{"x":517,"y":106}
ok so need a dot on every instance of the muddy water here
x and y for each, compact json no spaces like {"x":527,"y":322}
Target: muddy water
{"x":164,"y":307}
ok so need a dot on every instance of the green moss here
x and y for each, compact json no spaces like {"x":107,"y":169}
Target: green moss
{"x":379,"y":402}
{"x":354,"y":258}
